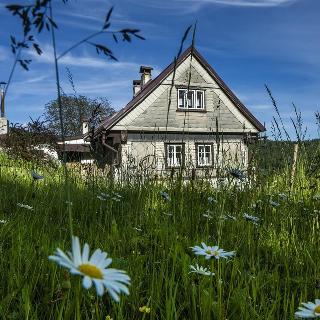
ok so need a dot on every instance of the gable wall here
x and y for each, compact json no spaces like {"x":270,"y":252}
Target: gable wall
{"x":151,"y":114}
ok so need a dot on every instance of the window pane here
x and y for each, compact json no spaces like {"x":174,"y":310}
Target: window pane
{"x":182,"y":98}
{"x":190,"y":99}
{"x":204,"y":155}
{"x":199,"y":102}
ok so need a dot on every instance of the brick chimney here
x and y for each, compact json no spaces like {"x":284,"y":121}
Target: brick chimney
{"x":136,"y":87}
{"x":145,"y":75}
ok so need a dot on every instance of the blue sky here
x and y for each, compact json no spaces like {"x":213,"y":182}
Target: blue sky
{"x":248,"y":42}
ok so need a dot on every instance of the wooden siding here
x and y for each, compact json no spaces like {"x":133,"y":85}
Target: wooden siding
{"x":151,"y":114}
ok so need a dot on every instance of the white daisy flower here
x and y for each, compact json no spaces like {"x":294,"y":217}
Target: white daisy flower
{"x":94,"y":270}
{"x":229,"y":217}
{"x":274,"y":204}
{"x":25,"y":206}
{"x":207,"y":215}
{"x":200,"y":270}
{"x":251,"y":218}
{"x":165,"y":195}
{"x":212,"y":200}
{"x":212,"y":252}
{"x":3,"y":221}
{"x":36,"y":176}
{"x":309,"y":310}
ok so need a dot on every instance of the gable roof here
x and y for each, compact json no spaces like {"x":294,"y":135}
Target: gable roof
{"x":153,"y":84}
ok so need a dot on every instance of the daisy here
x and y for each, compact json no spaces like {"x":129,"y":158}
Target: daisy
{"x":212,"y":252}
{"x":309,"y":310}
{"x":165,"y":195}
{"x":36,"y":176}
{"x":251,"y":218}
{"x":200,"y":270}
{"x":212,"y":200}
{"x":229,"y":217}
{"x":101,"y":197}
{"x":274,"y":204}
{"x":94,"y":270}
{"x":3,"y":221}
{"x":25,"y":206}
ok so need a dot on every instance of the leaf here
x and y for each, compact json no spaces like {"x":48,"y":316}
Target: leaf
{"x":37,"y":48}
{"x":53,"y":23}
{"x":13,"y":40}
{"x":14,"y":7}
{"x":106,"y":26}
{"x":115,"y":38}
{"x":140,"y":37}
{"x":108,"y":15}
{"x":126,"y":37}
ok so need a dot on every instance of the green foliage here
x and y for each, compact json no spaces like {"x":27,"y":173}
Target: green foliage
{"x":275,"y":268}
{"x":75,"y":110}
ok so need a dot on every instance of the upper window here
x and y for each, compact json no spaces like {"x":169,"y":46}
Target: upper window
{"x":174,"y":155}
{"x":204,"y":155}
{"x":190,"y":99}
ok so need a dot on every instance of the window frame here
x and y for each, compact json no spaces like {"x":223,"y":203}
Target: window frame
{"x":194,"y":99}
{"x":197,"y":145}
{"x":166,"y":146}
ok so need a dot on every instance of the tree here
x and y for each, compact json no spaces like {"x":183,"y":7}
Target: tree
{"x":75,"y":110}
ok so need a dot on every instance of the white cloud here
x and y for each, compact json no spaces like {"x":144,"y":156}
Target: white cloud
{"x":248,"y":3}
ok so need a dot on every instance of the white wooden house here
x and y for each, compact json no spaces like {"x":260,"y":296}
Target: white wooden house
{"x":186,"y":117}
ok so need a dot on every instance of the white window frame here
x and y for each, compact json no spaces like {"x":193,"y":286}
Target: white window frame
{"x":203,"y":153}
{"x":194,"y":99}
{"x":174,"y":163}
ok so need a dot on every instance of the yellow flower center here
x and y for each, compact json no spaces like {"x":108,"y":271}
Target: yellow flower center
{"x":215,"y":253}
{"x":317,"y":309}
{"x":91,"y":271}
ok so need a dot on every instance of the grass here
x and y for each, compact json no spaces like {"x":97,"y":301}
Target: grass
{"x":275,"y":268}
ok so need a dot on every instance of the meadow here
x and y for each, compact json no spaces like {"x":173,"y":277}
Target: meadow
{"x":149,"y":234}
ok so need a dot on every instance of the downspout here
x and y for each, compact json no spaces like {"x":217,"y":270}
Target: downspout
{"x":110,"y":148}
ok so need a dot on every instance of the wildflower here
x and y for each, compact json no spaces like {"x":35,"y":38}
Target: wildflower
{"x":144,"y":309}
{"x":165,"y":195}
{"x":212,"y":252}
{"x":237,"y":173}
{"x":309,"y":310}
{"x":25,"y":206}
{"x":94,"y":270}
{"x":200,"y":270}
{"x":212,"y":200}
{"x":108,"y":318}
{"x":274,"y":204}
{"x":283,"y":196}
{"x":251,"y":218}
{"x":316,"y":197}
{"x":36,"y":176}
{"x":3,"y":221}
{"x":137,"y":229}
{"x":117,"y":195}
{"x":229,"y":217}
{"x":208,"y":215}
{"x":101,"y":197}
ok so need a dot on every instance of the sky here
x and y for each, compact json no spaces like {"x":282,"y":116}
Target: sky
{"x":249,"y":43}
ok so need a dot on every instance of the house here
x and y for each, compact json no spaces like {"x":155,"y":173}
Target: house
{"x":185,"y":118}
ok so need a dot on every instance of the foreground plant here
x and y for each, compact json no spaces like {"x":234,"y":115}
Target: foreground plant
{"x":200,"y":270}
{"x":94,"y":270}
{"x":212,"y":252}
{"x":309,"y":310}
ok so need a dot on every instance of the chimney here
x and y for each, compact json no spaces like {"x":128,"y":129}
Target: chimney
{"x":85,"y":127}
{"x":136,"y":87}
{"x":145,"y":75}
{"x":1,"y":103}
{"x":4,"y":124}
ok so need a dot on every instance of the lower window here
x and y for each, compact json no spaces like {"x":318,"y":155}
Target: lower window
{"x":174,"y":155}
{"x":204,"y":155}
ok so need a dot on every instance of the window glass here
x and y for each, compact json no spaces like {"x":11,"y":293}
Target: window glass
{"x":174,"y":155}
{"x":204,"y":155}
{"x":199,"y":100}
{"x":182,"y":98}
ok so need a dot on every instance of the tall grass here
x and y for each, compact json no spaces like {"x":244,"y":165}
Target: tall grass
{"x":275,"y":268}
